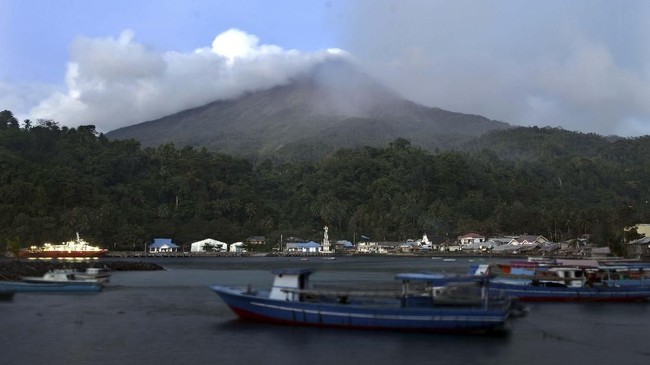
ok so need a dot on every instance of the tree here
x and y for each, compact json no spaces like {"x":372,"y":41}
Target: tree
{"x":13,"y":247}
{"x":7,"y":120}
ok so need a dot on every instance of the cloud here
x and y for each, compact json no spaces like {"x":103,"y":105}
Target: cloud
{"x":19,"y":98}
{"x":115,"y":82}
{"x":578,"y":65}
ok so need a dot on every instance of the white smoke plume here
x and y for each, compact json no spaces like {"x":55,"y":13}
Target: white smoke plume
{"x":115,"y":82}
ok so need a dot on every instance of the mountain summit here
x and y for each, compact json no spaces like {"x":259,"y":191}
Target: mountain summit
{"x":332,"y":106}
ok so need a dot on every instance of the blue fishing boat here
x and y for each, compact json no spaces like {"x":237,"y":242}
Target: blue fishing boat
{"x":24,"y":287}
{"x":423,"y":302}
{"x":52,"y":281}
{"x":565,"y":284}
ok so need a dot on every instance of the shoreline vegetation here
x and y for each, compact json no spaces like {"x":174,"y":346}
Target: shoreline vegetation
{"x":117,"y":193}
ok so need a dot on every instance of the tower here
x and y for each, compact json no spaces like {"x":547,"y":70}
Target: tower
{"x":326,"y":241}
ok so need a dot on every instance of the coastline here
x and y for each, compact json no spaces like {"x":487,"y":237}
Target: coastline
{"x":14,"y":270}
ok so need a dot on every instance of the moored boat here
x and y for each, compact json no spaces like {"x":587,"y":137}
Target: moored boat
{"x":52,"y":281}
{"x":553,"y":283}
{"x":65,"y":279}
{"x":415,"y":305}
{"x":24,"y":287}
{"x":102,"y":275}
{"x":77,"y":248}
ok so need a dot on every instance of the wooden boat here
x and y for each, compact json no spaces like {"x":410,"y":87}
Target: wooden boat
{"x":50,"y":285}
{"x":58,"y":280}
{"x":414,"y":305}
{"x":99,"y":275}
{"x":24,"y":287}
{"x":565,"y":284}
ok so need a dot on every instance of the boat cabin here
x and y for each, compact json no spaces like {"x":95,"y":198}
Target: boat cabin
{"x":295,"y":279}
{"x":58,"y":276}
{"x":418,"y":289}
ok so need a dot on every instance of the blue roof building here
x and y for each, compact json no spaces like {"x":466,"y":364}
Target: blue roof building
{"x":310,"y":246}
{"x":163,"y":245}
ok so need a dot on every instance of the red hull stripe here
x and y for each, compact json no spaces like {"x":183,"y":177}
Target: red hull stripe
{"x":251,"y":316}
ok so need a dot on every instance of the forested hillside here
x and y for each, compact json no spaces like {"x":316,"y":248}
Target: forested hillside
{"x":57,"y":181}
{"x":333,"y":105}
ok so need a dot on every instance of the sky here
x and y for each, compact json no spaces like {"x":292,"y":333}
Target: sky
{"x":581,"y":65}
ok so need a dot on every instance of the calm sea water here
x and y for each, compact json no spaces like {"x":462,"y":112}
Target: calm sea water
{"x":172,"y":317}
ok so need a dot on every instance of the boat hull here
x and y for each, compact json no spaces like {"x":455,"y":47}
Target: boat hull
{"x":62,"y":254}
{"x":432,"y":319}
{"x":532,"y":293}
{"x":25,"y":287}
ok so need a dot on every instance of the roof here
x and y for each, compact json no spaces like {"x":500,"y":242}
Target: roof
{"x":303,"y":244}
{"x":511,"y":247}
{"x":530,"y":238}
{"x":345,"y":243}
{"x":161,"y":242}
{"x":471,"y":235}
{"x":640,"y":241}
{"x":440,"y":279}
{"x":209,"y":241}
{"x":480,"y":245}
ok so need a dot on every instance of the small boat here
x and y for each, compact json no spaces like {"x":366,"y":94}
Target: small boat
{"x":77,"y":248}
{"x":448,"y":260}
{"x":58,"y":280}
{"x":564,"y":284}
{"x":49,"y":286}
{"x":414,"y":305}
{"x":101,"y":275}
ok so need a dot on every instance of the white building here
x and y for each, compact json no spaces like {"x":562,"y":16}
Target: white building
{"x":209,"y":245}
{"x":237,"y":247}
{"x":470,"y":238}
{"x":163,"y":245}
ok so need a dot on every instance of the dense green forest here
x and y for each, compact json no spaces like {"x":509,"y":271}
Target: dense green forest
{"x":58,"y":180}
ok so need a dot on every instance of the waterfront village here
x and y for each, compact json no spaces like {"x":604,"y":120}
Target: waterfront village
{"x":467,"y":244}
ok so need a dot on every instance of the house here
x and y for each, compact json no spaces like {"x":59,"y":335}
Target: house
{"x":368,"y":247}
{"x":506,"y":248}
{"x":470,"y":238}
{"x":163,"y":245}
{"x":256,"y":240}
{"x":431,"y":242}
{"x":642,"y":229}
{"x":529,"y":240}
{"x":209,"y":245}
{"x":435,"y":242}
{"x":237,"y":247}
{"x":409,"y":246}
{"x":480,"y":246}
{"x":343,"y":245}
{"x":376,"y":247}
{"x":639,"y":248}
{"x":502,"y":240}
{"x":310,"y":247}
